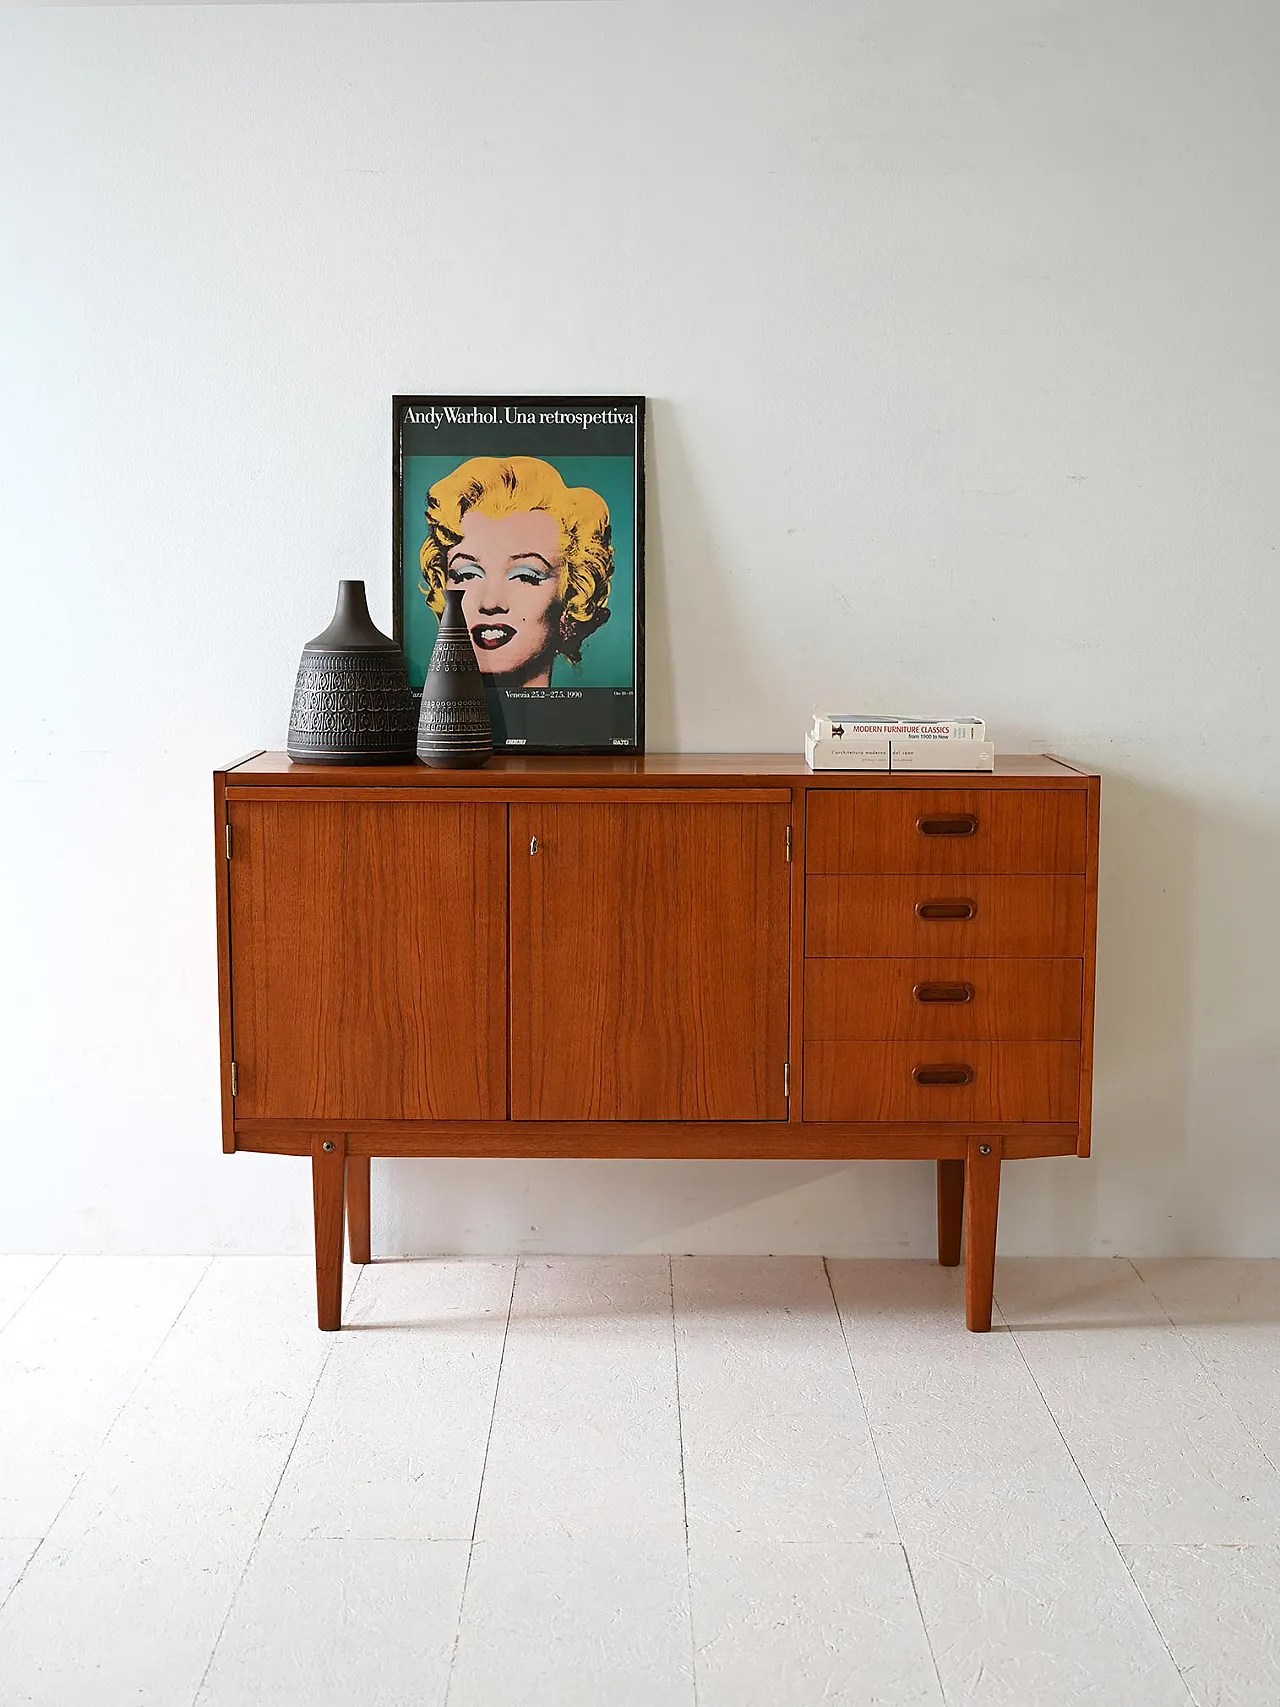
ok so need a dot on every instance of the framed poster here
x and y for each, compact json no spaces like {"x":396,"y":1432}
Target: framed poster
{"x":534,"y":506}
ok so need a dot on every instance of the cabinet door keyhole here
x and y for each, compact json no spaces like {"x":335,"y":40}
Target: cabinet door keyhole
{"x":533,"y":844}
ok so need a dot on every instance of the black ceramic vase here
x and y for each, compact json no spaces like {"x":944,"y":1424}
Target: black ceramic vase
{"x":353,"y":704}
{"x":454,"y":728}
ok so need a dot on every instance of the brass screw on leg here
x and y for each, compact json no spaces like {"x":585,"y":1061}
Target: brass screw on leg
{"x":983,"y":1149}
{"x":328,"y":1144}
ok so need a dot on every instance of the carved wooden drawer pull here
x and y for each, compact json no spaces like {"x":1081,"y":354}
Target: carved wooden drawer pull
{"x":945,"y":1073}
{"x":942,"y":992}
{"x":946,"y":909}
{"x":949,"y":824}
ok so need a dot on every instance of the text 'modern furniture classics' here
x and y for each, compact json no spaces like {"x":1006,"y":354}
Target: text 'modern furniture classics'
{"x":720,"y":955}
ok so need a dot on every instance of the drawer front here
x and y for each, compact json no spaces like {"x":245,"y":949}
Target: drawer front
{"x":945,"y":831}
{"x":954,"y":917}
{"x":910,"y":1081}
{"x":1014,"y":1001}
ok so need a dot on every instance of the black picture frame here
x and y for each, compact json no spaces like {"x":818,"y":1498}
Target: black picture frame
{"x":568,"y":715}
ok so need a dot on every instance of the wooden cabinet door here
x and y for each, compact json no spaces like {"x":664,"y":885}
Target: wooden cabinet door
{"x":368,"y":960}
{"x":649,"y":961}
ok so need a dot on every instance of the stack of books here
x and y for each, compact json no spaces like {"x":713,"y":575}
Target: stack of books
{"x":861,"y":743}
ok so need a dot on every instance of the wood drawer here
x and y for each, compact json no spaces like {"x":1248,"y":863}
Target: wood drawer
{"x":1042,"y":916}
{"x":945,"y":831}
{"x":1013,"y":1001}
{"x":875,"y":1081}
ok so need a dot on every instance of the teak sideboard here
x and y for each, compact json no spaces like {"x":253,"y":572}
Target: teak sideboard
{"x":719,"y":955}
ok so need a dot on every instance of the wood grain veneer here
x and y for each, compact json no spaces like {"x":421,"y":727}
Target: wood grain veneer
{"x":1039,"y":916}
{"x":855,"y":831}
{"x":399,"y":974}
{"x":1013,"y":1082}
{"x":368,"y":960}
{"x":690,"y":770}
{"x":648,"y":962}
{"x":1019,"y":1001}
{"x":656,"y":1140}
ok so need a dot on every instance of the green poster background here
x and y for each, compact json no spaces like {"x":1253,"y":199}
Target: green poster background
{"x":608,"y":657}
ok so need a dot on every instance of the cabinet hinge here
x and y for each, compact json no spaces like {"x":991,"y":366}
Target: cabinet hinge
{"x":786,"y":1078}
{"x":229,"y":842}
{"x":235,"y":1080}
{"x":788,"y":841}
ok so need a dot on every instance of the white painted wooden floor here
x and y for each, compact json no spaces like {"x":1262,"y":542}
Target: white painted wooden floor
{"x":715,"y":1481}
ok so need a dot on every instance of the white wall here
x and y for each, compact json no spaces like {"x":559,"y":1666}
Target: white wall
{"x":962,"y":324}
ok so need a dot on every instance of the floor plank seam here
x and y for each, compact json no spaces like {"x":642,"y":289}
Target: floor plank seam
{"x":884,"y":1482}
{"x":284,"y":1470}
{"x":1119,"y":1551}
{"x":1208,"y":1374}
{"x":110,"y":1428}
{"x":684,"y":1495}
{"x":484,"y":1465}
{"x":22,"y":1303}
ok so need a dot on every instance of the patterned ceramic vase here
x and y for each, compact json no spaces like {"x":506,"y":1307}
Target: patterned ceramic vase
{"x":352,"y":704}
{"x":454,"y":728}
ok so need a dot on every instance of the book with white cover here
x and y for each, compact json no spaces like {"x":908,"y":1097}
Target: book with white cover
{"x":836,"y":726}
{"x":903,"y":754}
{"x":861,"y":755}
{"x":906,"y":754}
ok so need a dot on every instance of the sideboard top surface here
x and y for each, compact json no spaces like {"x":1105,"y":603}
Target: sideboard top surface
{"x":691,"y":770}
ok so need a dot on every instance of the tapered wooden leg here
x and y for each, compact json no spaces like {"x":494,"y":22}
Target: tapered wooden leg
{"x":981,"y":1207}
{"x":328,"y":1178}
{"x":358,"y":1208}
{"x":950,"y":1210}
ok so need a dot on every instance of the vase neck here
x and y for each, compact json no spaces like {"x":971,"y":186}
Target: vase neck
{"x":352,"y":628}
{"x":353,"y":604}
{"x":452,"y":620}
